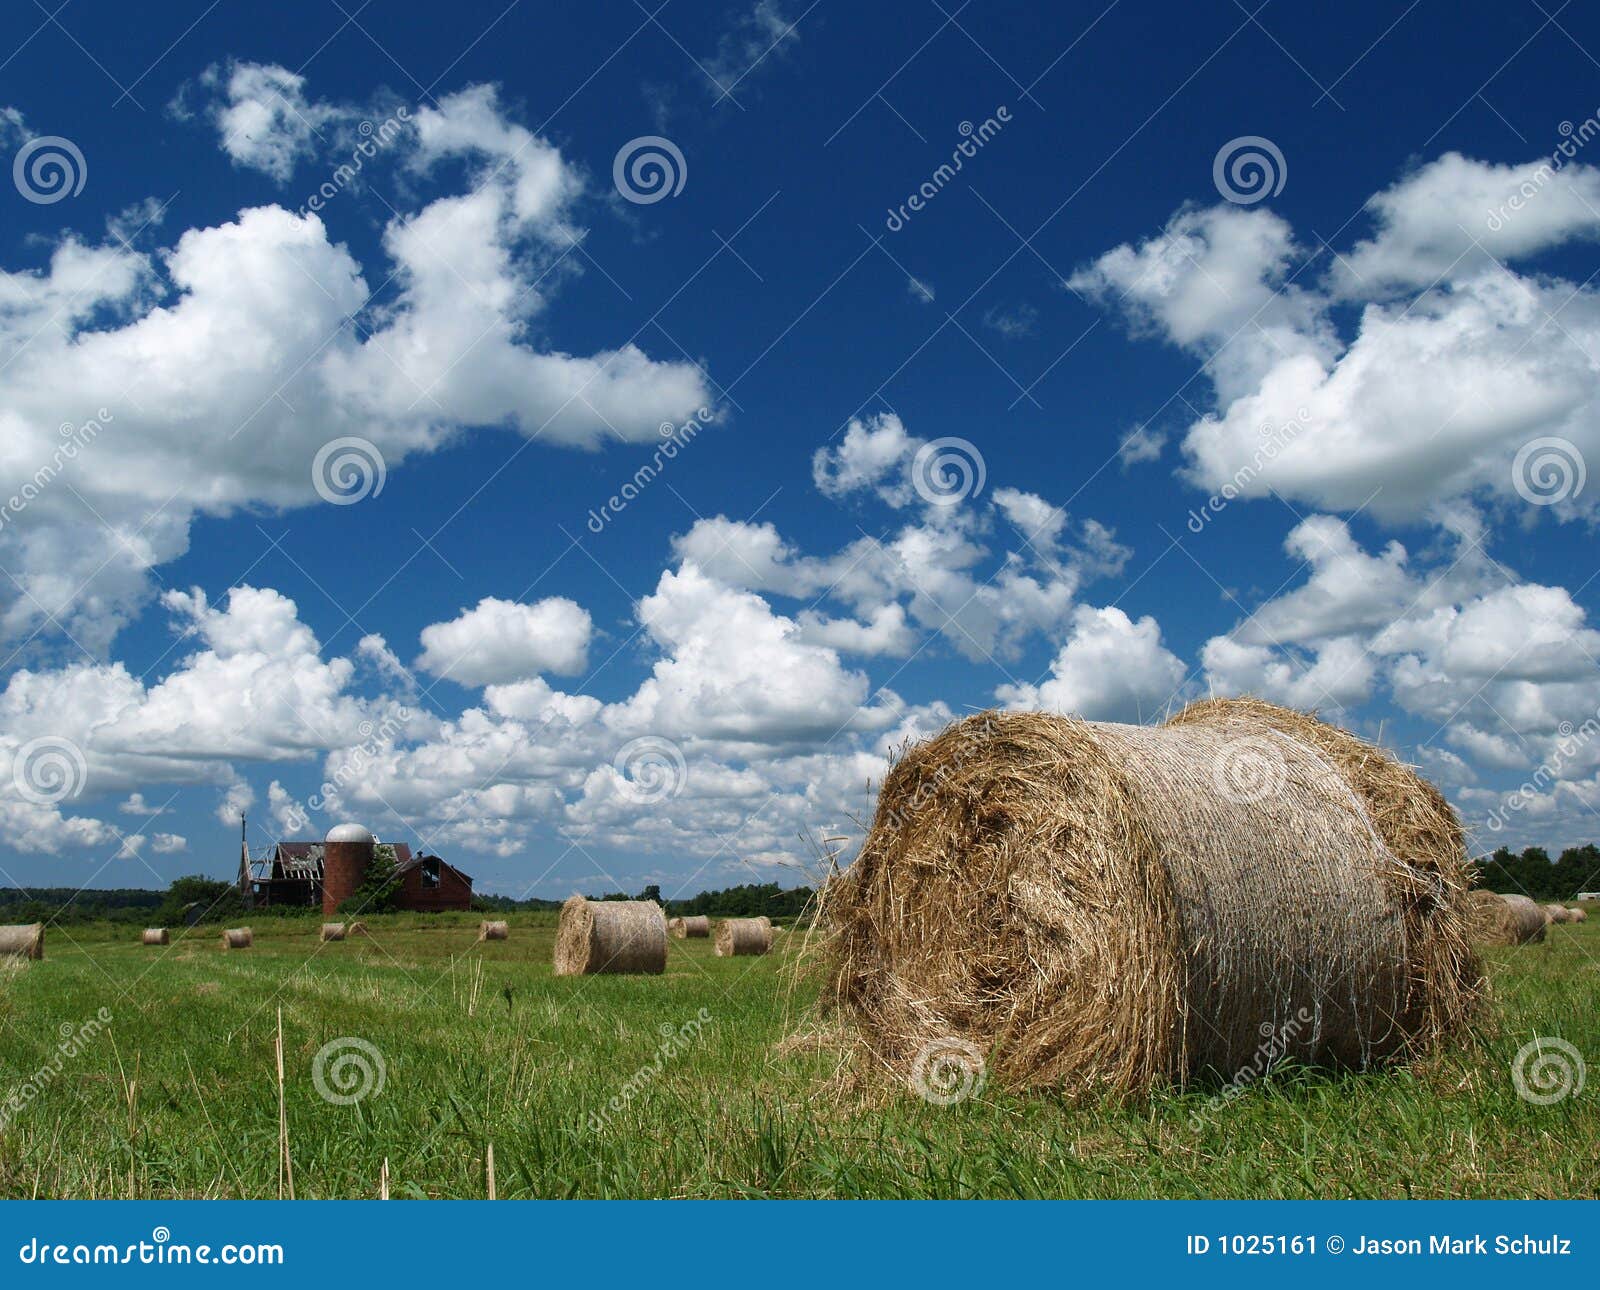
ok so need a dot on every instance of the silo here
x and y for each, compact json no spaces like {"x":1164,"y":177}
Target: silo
{"x":346,"y":853}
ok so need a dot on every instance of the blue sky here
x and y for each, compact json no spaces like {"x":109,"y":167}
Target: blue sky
{"x":1097,"y":421}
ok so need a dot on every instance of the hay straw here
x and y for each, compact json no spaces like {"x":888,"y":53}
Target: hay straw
{"x":493,"y":929}
{"x":333,"y":931}
{"x":237,"y":938}
{"x":694,"y":925}
{"x":610,"y":936}
{"x":1089,"y":907}
{"x":22,"y":941}
{"x":738,"y":936}
{"x":154,"y":936}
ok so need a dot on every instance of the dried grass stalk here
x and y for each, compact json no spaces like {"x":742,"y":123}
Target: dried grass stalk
{"x":154,"y":936}
{"x":1100,"y":906}
{"x":493,"y":929}
{"x":22,"y":941}
{"x":736,"y":936}
{"x":610,"y":936}
{"x":693,"y":925}
{"x":238,"y":938}
{"x":333,"y":931}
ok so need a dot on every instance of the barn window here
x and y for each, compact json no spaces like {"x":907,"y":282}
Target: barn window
{"x":430,"y":871}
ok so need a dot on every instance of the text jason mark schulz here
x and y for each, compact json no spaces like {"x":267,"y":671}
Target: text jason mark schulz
{"x":1501,"y":1244}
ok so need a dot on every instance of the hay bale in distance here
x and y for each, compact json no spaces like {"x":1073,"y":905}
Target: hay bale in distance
{"x":736,"y":936}
{"x":1557,"y":914}
{"x":610,"y":936}
{"x":1578,"y":914}
{"x":1530,"y":920}
{"x":154,"y":936}
{"x":1491,"y":921}
{"x":1098,"y":906}
{"x":22,"y":941}
{"x":357,"y":928}
{"x":237,"y":938}
{"x":492,"y":929}
{"x":692,"y":925}
{"x":333,"y":931}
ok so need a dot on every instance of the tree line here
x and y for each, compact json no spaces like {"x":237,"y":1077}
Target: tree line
{"x":1534,"y":873}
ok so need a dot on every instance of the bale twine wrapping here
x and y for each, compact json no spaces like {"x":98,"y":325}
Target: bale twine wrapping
{"x":610,"y":936}
{"x":736,"y":936}
{"x":22,"y":941}
{"x":492,"y":929}
{"x":153,"y":936}
{"x":237,"y":938}
{"x":333,"y":931}
{"x":1107,"y":906}
{"x":693,"y":925}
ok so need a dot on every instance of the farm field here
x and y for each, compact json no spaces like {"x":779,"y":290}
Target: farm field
{"x":620,"y":1087}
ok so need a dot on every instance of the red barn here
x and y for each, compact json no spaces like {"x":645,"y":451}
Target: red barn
{"x":429,"y":884}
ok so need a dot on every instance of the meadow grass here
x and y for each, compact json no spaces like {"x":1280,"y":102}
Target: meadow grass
{"x":581,"y":1091}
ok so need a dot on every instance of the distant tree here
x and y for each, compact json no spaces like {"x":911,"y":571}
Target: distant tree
{"x":202,"y":899}
{"x":652,"y":892}
{"x":379,"y":892}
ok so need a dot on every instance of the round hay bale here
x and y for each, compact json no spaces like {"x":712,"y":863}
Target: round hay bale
{"x":237,"y":938}
{"x":610,"y":936}
{"x":1417,"y":825}
{"x":154,"y":936}
{"x":1556,"y":914}
{"x":1101,"y":906}
{"x":22,"y":941}
{"x":736,"y":936}
{"x":693,"y":925}
{"x":1491,"y":921}
{"x":357,"y":928}
{"x":492,"y":929}
{"x":333,"y":931}
{"x":1529,"y":919}
{"x":1579,"y":914}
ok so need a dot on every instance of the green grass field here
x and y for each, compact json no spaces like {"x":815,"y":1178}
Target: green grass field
{"x":578,"y":1088}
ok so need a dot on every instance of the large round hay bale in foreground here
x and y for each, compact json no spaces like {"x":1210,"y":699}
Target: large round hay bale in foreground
{"x":237,"y":938}
{"x":1095,"y":906}
{"x":692,"y":925}
{"x":493,"y":929}
{"x":611,"y":936}
{"x":153,"y":936}
{"x":736,"y":936}
{"x":22,"y":941}
{"x":333,"y":931}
